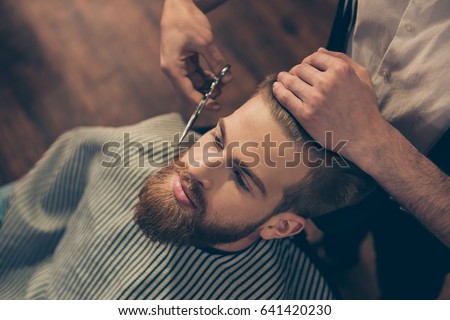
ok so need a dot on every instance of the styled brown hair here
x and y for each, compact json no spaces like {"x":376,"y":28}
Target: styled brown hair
{"x":325,"y":188}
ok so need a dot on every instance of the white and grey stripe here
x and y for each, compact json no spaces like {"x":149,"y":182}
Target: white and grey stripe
{"x":69,"y":234}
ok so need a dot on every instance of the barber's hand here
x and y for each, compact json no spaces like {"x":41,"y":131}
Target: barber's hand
{"x":186,"y":33}
{"x":329,"y":91}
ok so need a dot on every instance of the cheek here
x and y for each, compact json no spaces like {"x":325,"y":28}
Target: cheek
{"x":233,"y":206}
{"x":225,"y":198}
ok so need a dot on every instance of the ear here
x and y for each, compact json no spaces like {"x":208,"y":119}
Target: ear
{"x":281,"y":226}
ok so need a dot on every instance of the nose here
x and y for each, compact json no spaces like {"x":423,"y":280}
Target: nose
{"x":205,"y":166}
{"x":202,"y":174}
{"x":208,"y":171}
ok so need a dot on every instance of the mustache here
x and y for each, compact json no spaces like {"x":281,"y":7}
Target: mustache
{"x":193,"y":189}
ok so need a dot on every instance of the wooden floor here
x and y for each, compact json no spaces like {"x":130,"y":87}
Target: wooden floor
{"x":69,"y":63}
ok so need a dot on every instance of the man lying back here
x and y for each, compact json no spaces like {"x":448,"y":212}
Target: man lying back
{"x":98,"y":218}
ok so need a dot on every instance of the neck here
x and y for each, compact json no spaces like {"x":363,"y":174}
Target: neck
{"x":239,"y":245}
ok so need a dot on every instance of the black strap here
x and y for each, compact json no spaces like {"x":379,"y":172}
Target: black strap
{"x":342,"y":25}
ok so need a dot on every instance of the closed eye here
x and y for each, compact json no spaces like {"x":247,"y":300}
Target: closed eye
{"x":217,"y":141}
{"x":240,"y":180}
{"x":237,"y":174}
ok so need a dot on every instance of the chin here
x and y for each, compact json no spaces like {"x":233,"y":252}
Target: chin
{"x":158,"y":213}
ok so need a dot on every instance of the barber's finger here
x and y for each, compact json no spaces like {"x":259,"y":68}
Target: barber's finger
{"x":341,"y":56}
{"x":198,"y":76}
{"x":216,"y":92}
{"x":208,"y":74}
{"x":293,"y":103}
{"x":183,"y":84}
{"x":192,"y":63}
{"x":337,"y":54}
{"x":202,"y":82}
{"x":306,"y":72}
{"x":359,"y":69}
{"x":321,"y":60}
{"x":216,"y":61}
{"x":212,"y":105}
{"x":198,"y":80}
{"x":294,"y":84}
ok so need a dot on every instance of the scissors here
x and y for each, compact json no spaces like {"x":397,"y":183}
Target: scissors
{"x":202,"y":103}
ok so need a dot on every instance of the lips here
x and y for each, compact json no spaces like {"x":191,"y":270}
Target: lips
{"x":180,"y":191}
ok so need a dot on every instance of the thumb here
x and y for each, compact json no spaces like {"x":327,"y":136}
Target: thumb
{"x":216,"y":61}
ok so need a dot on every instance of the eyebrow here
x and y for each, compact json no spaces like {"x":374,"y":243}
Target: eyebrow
{"x":241,"y":164}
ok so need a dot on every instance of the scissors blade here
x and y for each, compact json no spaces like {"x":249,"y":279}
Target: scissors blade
{"x":192,"y":119}
{"x":203,"y":102}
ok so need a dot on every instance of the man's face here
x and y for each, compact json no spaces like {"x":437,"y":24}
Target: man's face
{"x":226,"y":185}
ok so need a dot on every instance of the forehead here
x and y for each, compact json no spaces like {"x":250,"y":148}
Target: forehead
{"x":263,"y":145}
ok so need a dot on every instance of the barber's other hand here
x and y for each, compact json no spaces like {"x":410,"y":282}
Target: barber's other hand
{"x":185,"y":34}
{"x":329,"y":91}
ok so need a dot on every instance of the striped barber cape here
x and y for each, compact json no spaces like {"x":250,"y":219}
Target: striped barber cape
{"x":69,"y":234}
